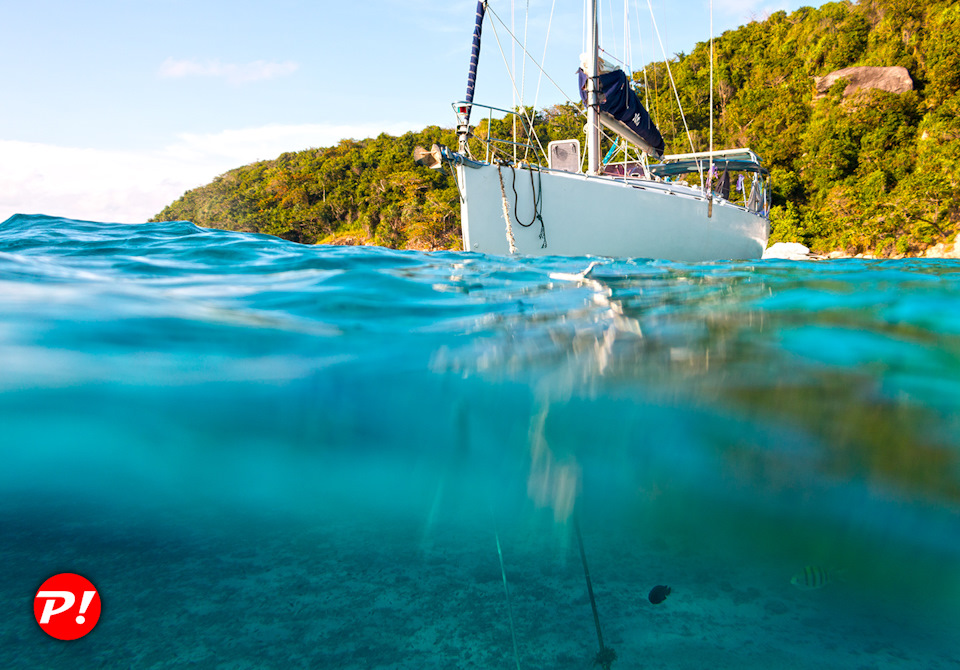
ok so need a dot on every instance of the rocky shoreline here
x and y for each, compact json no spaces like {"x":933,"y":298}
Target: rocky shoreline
{"x":795,"y":251}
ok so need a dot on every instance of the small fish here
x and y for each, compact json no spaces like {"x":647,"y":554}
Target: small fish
{"x":812,"y":577}
{"x":658,"y":594}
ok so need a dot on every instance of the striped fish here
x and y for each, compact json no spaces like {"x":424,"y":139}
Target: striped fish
{"x":812,"y":577}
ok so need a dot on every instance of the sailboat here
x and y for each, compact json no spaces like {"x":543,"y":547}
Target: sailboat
{"x":673,"y":207}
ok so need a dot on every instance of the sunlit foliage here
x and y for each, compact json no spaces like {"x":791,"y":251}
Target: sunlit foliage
{"x":872,"y":171}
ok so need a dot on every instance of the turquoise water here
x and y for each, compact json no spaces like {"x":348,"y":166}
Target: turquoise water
{"x":271,"y":455}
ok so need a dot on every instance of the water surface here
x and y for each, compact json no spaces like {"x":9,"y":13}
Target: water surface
{"x":272,"y":455}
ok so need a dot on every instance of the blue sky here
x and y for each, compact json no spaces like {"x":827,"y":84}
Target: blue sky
{"x":113,"y":108}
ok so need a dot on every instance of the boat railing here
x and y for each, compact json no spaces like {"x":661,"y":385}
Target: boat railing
{"x":727,"y":163}
{"x":490,"y":143}
{"x":736,"y":161}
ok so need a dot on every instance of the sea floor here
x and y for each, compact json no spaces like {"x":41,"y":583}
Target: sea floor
{"x":345,"y":589}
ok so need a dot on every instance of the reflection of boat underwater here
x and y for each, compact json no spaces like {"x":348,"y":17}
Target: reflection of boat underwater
{"x":638,"y":208}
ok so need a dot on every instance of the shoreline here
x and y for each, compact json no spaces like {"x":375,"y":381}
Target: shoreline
{"x":797,"y":251}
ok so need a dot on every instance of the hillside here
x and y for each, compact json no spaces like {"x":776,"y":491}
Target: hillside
{"x":854,"y":169}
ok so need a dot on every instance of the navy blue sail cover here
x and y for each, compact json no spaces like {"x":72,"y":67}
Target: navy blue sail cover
{"x":618,"y":99}
{"x":475,"y":55}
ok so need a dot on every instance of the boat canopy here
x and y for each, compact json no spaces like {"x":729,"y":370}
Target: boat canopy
{"x":674,"y":168}
{"x":735,"y":160}
{"x":622,"y":112}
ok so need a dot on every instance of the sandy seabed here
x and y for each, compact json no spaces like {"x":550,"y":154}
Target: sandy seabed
{"x":376,"y":592}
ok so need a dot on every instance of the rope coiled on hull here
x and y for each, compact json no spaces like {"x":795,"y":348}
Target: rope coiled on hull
{"x":537,"y":192}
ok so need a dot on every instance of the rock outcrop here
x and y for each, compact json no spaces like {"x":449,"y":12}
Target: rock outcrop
{"x":944,"y":250}
{"x":893,"y":79}
{"x":789,"y":251}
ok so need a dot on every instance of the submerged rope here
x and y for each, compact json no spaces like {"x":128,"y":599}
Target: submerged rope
{"x":506,"y":590}
{"x":606,"y":655}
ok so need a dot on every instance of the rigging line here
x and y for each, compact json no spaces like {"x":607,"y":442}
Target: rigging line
{"x":528,"y":55}
{"x":523,"y":74}
{"x":513,"y":83}
{"x":513,"y":68}
{"x":543,"y":58}
{"x":614,"y":58}
{"x":612,"y":31}
{"x":583,"y":32}
{"x":656,"y":78}
{"x":657,"y":81}
{"x":604,"y":136}
{"x":676,"y":93}
{"x":626,"y":57}
{"x":513,"y":65}
{"x":643,"y":59}
{"x":646,"y":86}
{"x":523,"y":70}
{"x":711,"y":94}
{"x":626,"y":33}
{"x":513,"y":47}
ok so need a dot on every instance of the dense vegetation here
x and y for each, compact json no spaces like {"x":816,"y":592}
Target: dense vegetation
{"x":353,"y":193}
{"x":873,"y":171}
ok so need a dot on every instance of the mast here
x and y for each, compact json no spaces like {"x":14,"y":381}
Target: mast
{"x":593,"y":102}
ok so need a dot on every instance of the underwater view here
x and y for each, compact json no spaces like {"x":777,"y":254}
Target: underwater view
{"x":273,"y":455}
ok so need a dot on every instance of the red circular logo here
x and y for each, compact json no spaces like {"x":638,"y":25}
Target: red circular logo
{"x":67,"y":606}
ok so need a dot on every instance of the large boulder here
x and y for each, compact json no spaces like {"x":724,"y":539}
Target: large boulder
{"x":893,"y":79}
{"x":789,"y":251}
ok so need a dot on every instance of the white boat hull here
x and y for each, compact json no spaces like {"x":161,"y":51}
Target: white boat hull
{"x":600,"y":216}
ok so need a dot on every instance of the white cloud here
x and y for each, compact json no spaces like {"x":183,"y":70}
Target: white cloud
{"x":233,"y":72}
{"x":131,"y":186}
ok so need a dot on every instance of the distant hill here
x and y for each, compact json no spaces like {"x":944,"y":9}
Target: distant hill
{"x":857,"y":164}
{"x":357,"y":192}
